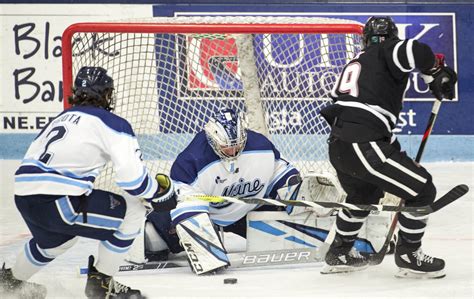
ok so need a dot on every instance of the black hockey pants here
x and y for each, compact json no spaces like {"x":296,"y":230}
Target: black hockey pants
{"x":367,"y":169}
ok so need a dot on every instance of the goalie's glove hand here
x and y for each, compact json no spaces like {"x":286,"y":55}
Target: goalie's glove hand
{"x":441,"y":79}
{"x":165,"y":197}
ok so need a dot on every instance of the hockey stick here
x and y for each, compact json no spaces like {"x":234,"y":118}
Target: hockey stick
{"x":429,"y":128}
{"x":156,"y":266}
{"x":377,"y":258}
{"x":449,"y":197}
{"x":238,"y":260}
{"x":277,"y":257}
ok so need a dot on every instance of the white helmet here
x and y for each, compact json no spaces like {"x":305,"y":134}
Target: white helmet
{"x":226,"y":132}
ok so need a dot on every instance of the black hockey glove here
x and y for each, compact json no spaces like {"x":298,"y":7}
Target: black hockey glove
{"x":165,"y":198}
{"x":441,"y":79}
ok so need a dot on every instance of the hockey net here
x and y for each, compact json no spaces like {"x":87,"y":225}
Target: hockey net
{"x":171,"y":74}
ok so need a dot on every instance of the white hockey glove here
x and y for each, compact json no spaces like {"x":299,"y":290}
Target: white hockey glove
{"x":165,"y":198}
{"x":319,"y":187}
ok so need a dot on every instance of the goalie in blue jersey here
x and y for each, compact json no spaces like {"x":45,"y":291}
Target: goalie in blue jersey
{"x":224,"y":159}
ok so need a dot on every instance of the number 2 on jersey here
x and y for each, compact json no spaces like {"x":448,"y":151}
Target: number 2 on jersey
{"x":60,"y":132}
{"x":349,"y":79}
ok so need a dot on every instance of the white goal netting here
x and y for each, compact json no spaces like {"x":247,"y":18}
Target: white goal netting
{"x":171,"y":74}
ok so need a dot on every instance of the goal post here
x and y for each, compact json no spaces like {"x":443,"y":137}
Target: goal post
{"x":171,"y":74}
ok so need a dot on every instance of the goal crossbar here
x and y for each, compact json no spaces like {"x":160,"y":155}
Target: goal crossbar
{"x":187,"y":28}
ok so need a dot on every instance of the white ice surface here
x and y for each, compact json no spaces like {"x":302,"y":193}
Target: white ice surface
{"x":449,"y":235}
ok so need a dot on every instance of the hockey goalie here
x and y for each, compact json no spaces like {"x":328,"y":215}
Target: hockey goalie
{"x":227,"y":159}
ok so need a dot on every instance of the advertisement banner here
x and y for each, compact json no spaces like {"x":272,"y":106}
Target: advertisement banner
{"x":435,"y":29}
{"x":31,"y":73}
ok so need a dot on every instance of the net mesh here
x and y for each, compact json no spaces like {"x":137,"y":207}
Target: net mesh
{"x":168,"y":84}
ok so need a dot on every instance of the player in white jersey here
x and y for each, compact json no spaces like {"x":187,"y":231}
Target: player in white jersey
{"x":54,"y":191}
{"x":224,"y":159}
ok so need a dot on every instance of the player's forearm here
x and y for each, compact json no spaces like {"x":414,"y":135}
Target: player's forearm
{"x":424,"y":56}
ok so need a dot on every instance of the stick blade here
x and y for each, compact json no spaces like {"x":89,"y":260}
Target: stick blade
{"x":454,"y":194}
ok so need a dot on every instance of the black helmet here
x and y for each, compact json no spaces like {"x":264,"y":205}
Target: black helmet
{"x":378,"y":29}
{"x":93,"y":87}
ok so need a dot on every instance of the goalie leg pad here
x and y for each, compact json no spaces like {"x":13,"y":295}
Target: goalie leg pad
{"x":153,"y":240}
{"x":308,"y":230}
{"x":202,"y":245}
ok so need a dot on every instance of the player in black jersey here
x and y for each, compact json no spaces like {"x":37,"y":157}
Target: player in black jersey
{"x":366,"y":155}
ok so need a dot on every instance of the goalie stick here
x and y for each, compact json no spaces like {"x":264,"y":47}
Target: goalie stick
{"x":238,"y":260}
{"x":446,"y":199}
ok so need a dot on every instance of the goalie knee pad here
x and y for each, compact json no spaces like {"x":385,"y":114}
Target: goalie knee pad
{"x":153,"y":240}
{"x":157,"y":238}
{"x":156,"y":248}
{"x":164,"y":227}
{"x":202,"y":245}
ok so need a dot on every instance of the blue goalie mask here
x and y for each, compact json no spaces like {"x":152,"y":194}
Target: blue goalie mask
{"x":226,"y":132}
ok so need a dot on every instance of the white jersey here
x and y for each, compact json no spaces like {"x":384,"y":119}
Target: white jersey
{"x":68,"y":155}
{"x":259,"y":171}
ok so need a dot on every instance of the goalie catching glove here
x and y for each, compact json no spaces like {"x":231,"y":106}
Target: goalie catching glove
{"x":314,"y":187}
{"x":165,"y":197}
{"x":441,"y":79}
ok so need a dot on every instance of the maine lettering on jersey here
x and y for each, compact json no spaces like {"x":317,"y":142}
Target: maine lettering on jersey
{"x":243,"y":188}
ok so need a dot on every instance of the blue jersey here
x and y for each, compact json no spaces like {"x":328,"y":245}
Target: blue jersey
{"x":68,"y":155}
{"x":258,"y":171}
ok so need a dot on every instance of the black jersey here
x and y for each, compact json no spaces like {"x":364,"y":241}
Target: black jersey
{"x":370,"y":90}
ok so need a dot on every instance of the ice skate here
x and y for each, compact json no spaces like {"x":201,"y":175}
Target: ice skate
{"x":100,"y":286}
{"x":9,"y":285}
{"x":414,"y":263}
{"x":343,"y":258}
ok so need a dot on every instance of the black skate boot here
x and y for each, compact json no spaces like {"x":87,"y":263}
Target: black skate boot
{"x":9,"y":285}
{"x":342,"y":257}
{"x":101,"y":286}
{"x":157,"y":256}
{"x":413,"y":263}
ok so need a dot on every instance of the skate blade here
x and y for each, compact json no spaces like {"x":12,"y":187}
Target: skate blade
{"x":327,"y":269}
{"x":406,"y":273}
